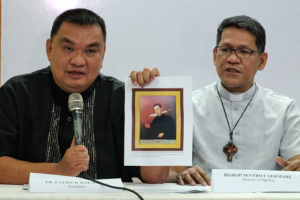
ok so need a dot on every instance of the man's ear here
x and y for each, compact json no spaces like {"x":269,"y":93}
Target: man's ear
{"x":104,"y":52}
{"x":262,"y":61}
{"x":103,"y":55}
{"x":214,"y":55}
{"x":48,"y":48}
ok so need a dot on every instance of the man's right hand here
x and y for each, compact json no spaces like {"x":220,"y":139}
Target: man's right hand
{"x":75,"y":160}
{"x":144,"y":77}
{"x":147,"y":125}
{"x":193,"y":176}
{"x":160,"y":135}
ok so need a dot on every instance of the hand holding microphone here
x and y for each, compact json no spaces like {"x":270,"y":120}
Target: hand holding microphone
{"x":76,"y":158}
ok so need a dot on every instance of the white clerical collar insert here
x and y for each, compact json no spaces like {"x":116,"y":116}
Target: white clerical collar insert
{"x":68,"y":184}
{"x":231,"y":180}
{"x":235,"y":97}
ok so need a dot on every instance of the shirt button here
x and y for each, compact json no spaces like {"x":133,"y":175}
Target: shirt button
{"x":69,"y":119}
{"x":237,"y":133}
{"x":236,"y":156}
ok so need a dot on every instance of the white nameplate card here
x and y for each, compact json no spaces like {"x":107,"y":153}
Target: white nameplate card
{"x":229,"y":180}
{"x":55,"y":183}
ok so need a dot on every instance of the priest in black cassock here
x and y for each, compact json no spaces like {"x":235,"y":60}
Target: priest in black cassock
{"x":162,"y":126}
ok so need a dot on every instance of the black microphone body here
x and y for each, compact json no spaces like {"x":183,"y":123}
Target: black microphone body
{"x":75,"y":103}
{"x":77,"y":125}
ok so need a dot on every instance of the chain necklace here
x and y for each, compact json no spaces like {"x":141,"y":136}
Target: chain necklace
{"x":230,"y":149}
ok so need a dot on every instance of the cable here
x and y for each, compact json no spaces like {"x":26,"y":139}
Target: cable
{"x":115,"y":187}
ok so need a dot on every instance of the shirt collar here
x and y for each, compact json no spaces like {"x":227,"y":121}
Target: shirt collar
{"x":235,"y":96}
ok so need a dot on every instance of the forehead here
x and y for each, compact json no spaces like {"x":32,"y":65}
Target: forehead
{"x":156,"y":107}
{"x":79,"y":32}
{"x":238,"y":37}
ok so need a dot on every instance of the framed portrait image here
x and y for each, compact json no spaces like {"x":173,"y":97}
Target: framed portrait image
{"x":157,"y":119}
{"x":158,"y":122}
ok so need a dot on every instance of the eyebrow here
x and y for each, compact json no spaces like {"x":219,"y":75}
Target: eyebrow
{"x":239,"y":47}
{"x":64,"y":39}
{"x":95,"y":44}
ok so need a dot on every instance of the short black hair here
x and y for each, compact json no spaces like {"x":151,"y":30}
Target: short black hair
{"x":80,"y":16}
{"x":248,"y":23}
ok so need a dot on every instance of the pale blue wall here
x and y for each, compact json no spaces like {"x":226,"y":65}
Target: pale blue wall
{"x":175,"y":35}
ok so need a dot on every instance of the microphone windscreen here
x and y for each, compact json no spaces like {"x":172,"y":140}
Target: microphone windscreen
{"x":75,"y":102}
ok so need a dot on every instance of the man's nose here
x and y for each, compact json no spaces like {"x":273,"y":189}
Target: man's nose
{"x":78,"y":59}
{"x":233,"y":57}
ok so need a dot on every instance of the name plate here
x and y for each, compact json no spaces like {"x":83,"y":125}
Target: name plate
{"x":55,"y":183}
{"x":229,"y":180}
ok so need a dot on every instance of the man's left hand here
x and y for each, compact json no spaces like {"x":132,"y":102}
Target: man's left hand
{"x":143,"y":77}
{"x":292,"y":164}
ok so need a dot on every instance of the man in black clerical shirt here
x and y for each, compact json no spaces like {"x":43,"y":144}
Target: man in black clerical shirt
{"x":36,"y":132}
{"x":162,"y":126}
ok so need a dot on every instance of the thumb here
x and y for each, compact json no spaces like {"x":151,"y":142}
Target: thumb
{"x":133,"y":77}
{"x":281,"y":161}
{"x":73,"y":144}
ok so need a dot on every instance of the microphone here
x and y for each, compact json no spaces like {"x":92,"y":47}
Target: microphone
{"x":75,"y":104}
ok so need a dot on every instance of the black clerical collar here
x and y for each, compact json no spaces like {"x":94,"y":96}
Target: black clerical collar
{"x":235,"y":96}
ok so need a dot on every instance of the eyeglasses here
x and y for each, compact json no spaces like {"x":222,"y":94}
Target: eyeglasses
{"x":240,"y":52}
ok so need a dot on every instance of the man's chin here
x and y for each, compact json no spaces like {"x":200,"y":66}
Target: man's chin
{"x":231,"y":86}
{"x":75,"y":89}
{"x":236,"y":88}
{"x":230,"y":83}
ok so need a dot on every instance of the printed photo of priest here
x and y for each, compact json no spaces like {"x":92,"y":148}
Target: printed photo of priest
{"x":158,"y":116}
{"x":157,"y":119}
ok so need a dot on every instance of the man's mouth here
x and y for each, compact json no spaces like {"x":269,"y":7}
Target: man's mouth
{"x":232,"y":70}
{"x":76,"y":74}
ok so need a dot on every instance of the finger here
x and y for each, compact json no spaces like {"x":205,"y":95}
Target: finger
{"x":133,"y":77}
{"x":206,"y":178}
{"x":293,"y":165}
{"x":75,"y":162}
{"x":188,"y":178}
{"x":203,"y":174}
{"x":154,"y":73}
{"x":78,"y":152}
{"x":146,"y":75}
{"x":81,"y":154}
{"x":199,"y":179}
{"x":289,"y":168}
{"x":82,"y":167}
{"x":180,"y":180}
{"x":83,"y":161}
{"x":281,"y":161}
{"x":140,"y":79}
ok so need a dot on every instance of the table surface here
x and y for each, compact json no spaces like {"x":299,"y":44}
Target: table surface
{"x":17,"y":192}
